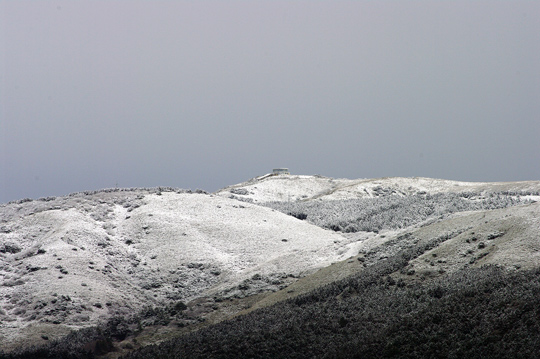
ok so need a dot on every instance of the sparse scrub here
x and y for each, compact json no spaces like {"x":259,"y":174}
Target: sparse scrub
{"x":11,"y":248}
{"x":300,"y":215}
{"x":389,"y":212}
{"x":239,"y":191}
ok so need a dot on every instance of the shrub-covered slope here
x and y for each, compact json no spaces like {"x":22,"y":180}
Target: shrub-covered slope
{"x":393,"y":212}
{"x":389,"y":310}
{"x":131,"y":260}
{"x":432,"y":291}
{"x":508,"y":238}
{"x":475,"y":313}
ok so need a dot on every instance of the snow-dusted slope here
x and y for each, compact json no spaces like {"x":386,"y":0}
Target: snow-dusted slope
{"x":304,"y":188}
{"x":74,"y":261}
{"x":507,"y":237}
{"x":283,"y":188}
{"x":71,"y":262}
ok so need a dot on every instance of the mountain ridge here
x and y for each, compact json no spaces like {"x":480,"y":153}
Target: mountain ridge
{"x":270,"y":188}
{"x":79,"y":261}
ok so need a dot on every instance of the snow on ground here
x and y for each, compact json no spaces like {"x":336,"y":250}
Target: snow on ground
{"x":239,"y":238}
{"x":304,"y":188}
{"x":282,"y":188}
{"x":74,"y":265}
{"x":505,"y":237}
{"x":73,"y":261}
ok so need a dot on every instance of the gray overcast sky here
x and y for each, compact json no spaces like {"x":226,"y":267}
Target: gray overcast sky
{"x":203,"y":94}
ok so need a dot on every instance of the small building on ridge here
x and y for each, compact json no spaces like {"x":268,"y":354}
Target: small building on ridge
{"x":280,"y":171}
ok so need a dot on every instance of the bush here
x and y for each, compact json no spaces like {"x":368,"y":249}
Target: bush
{"x":388,"y":212}
{"x":300,"y":215}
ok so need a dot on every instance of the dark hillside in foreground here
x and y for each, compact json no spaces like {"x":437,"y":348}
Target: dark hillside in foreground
{"x":478,"y":313}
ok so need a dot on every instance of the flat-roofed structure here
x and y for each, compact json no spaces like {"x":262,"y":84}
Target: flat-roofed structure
{"x":280,"y":171}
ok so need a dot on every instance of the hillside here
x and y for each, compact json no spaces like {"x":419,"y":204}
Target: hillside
{"x":128,"y":268}
{"x":507,"y":238}
{"x":75,"y":261}
{"x":292,"y":188}
{"x":466,"y":287}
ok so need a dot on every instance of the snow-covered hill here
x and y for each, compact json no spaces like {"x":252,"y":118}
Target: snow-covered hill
{"x":71,"y":262}
{"x":290,"y":188}
{"x":75,"y":261}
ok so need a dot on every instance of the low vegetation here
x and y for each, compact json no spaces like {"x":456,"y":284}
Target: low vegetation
{"x":485,"y":312}
{"x":477,"y":313}
{"x":384,"y":310}
{"x":393,"y":212}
